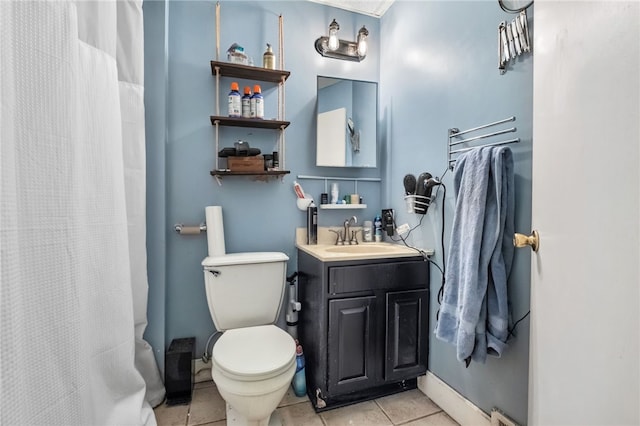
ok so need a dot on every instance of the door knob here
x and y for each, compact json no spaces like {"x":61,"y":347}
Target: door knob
{"x":533,"y":240}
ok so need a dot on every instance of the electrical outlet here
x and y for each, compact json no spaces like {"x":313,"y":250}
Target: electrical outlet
{"x":387,"y":221}
{"x":403,"y":229}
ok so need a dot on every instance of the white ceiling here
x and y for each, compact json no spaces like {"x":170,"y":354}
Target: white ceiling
{"x":375,"y":8}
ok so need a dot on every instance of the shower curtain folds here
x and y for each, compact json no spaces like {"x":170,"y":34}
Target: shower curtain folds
{"x":73,"y":284}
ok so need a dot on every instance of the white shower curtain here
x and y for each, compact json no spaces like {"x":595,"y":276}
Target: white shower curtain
{"x":73,"y":286}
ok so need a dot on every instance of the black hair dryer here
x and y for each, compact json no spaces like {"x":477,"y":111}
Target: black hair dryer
{"x":424,"y":187}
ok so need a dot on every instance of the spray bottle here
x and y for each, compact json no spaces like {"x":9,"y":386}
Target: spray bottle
{"x":312,"y":224}
{"x":235,"y":109}
{"x":246,"y":102}
{"x":299,"y":379}
{"x":377,"y":229}
{"x":257,"y":103}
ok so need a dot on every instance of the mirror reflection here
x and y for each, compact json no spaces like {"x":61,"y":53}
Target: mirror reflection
{"x":346,"y":123}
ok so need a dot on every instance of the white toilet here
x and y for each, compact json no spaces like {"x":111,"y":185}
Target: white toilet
{"x":254,"y":361}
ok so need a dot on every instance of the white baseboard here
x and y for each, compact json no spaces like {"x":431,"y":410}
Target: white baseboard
{"x":455,"y":405}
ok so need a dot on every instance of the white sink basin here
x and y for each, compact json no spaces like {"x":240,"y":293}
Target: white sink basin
{"x":326,"y":252}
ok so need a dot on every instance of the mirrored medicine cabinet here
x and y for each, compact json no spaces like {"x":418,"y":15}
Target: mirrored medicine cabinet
{"x":346,"y":123}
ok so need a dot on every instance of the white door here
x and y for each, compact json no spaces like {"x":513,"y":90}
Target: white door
{"x":585,"y":324}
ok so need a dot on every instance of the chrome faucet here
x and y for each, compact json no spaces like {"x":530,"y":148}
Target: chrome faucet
{"x":351,"y":238}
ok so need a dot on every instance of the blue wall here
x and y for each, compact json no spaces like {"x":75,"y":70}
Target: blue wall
{"x":258,"y":216}
{"x":445,"y":75}
{"x":156,"y":80}
{"x":440,"y":72}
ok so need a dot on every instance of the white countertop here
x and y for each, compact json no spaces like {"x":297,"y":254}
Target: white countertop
{"x":327,"y":251}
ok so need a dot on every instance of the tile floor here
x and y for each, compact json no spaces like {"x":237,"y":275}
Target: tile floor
{"x":411,"y":408}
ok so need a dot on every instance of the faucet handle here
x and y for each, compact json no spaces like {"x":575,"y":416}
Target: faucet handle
{"x":354,"y":237}
{"x":339,"y":239}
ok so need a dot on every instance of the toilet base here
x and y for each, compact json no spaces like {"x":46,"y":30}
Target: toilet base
{"x":252,"y":403}
{"x":234,"y":418}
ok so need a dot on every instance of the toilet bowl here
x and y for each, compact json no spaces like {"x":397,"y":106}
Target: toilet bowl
{"x":253,"y":368}
{"x":254,"y":361}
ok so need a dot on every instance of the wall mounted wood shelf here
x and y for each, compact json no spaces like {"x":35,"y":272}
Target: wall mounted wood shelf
{"x":249,"y":122}
{"x":276,"y":77}
{"x":227,"y":69}
{"x":265,"y":173}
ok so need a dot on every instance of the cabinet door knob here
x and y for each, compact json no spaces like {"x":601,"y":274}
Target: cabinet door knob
{"x":533,"y":240}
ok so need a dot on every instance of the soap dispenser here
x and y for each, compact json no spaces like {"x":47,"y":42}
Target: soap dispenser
{"x":269,"y":59}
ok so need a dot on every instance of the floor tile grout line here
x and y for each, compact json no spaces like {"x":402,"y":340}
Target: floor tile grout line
{"x":383,"y":411}
{"x":294,"y":403}
{"x":418,"y":418}
{"x":322,"y":419}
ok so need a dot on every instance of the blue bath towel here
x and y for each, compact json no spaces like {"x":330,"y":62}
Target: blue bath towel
{"x":474,"y":315}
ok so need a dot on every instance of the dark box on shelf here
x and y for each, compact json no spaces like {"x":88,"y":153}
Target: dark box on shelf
{"x":179,"y":365}
{"x":246,"y":164}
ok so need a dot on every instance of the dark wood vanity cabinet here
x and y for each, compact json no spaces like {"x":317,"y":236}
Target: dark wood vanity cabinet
{"x":351,"y":344}
{"x":363,"y":325}
{"x":406,"y":334}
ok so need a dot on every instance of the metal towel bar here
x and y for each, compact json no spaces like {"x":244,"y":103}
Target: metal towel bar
{"x":488,"y":135}
{"x":484,"y":126}
{"x":454,"y":133}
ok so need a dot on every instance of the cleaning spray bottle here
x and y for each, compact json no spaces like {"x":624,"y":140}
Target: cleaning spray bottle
{"x":312,"y":224}
{"x":235,"y":102}
{"x":299,"y":383}
{"x":257,"y":103}
{"x":246,"y":102}
{"x":377,"y":229}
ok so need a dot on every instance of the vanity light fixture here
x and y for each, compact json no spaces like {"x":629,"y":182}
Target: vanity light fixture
{"x":333,"y":47}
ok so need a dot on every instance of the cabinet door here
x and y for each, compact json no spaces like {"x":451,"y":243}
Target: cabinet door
{"x":407,"y":334}
{"x":351,"y":346}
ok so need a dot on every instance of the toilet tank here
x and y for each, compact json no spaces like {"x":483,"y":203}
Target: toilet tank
{"x":245,"y":289}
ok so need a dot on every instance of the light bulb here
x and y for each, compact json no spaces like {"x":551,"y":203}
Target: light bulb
{"x":362,"y":48}
{"x":362,"y":41}
{"x":333,"y":43}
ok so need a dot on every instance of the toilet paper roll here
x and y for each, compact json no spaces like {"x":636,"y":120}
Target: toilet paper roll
{"x":215,"y":230}
{"x":189,"y":230}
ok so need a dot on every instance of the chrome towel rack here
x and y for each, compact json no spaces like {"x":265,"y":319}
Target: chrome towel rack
{"x":454,"y":135}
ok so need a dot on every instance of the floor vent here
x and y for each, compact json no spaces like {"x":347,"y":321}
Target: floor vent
{"x":499,"y":419}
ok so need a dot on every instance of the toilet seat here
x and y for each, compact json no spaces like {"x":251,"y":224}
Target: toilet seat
{"x":254,"y":353}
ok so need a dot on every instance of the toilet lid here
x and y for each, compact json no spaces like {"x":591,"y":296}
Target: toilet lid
{"x":254,"y":352}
